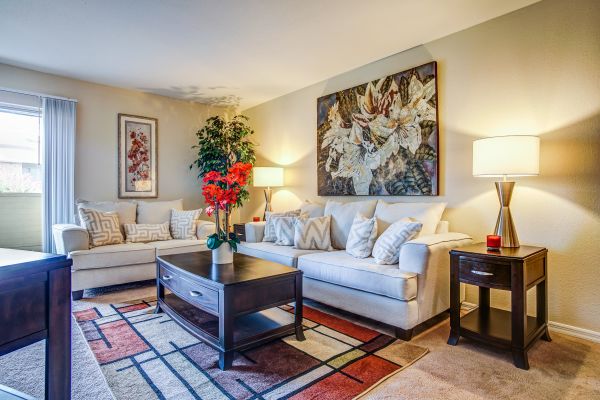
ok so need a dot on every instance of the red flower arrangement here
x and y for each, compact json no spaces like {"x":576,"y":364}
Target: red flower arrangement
{"x":221,"y":193}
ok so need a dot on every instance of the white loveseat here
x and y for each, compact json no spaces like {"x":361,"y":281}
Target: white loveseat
{"x":402,"y":295}
{"x":127,"y":262}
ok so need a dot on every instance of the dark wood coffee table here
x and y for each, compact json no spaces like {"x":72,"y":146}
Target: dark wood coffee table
{"x":221,"y":304}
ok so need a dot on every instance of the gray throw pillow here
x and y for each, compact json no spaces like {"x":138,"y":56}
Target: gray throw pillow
{"x":361,"y":238}
{"x":312,"y":233}
{"x":183,"y":223}
{"x":269,"y":235}
{"x":387,"y":246}
{"x":284,"y":230}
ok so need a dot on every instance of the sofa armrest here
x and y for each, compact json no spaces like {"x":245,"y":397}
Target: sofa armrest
{"x":416,"y":255}
{"x":69,"y":237}
{"x":204,"y":229}
{"x":255,"y":231}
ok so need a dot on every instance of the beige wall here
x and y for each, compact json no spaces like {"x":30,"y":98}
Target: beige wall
{"x":534,"y":71}
{"x":96,"y":141}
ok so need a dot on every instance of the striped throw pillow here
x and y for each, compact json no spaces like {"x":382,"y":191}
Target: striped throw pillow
{"x":103,"y":227}
{"x":313,"y":233}
{"x":137,"y":233}
{"x":183,"y":223}
{"x":362,"y":236}
{"x":284,"y":230}
{"x":387,"y":247}
{"x":270,"y":235}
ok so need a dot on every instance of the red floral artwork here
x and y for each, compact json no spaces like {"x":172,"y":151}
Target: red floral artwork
{"x":138,"y":157}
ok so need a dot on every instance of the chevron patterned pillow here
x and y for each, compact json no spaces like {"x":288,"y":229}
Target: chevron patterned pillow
{"x":103,"y":227}
{"x":183,"y":223}
{"x":387,"y":246}
{"x":136,"y":233}
{"x":284,"y":230}
{"x":270,"y":235}
{"x":361,"y":238}
{"x":313,"y":233}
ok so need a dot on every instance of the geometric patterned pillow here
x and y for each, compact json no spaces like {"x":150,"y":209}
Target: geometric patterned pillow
{"x":284,"y":230}
{"x":313,"y":233}
{"x":103,"y":227}
{"x":361,"y":238}
{"x":147,"y":232}
{"x":183,"y":223}
{"x":387,"y":247}
{"x":270,"y":235}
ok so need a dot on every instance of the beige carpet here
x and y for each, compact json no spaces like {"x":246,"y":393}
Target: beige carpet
{"x":566,"y":368}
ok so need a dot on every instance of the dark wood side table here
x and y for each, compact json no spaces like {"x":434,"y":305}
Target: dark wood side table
{"x":514,"y":269}
{"x":35,"y":304}
{"x":240,"y":231}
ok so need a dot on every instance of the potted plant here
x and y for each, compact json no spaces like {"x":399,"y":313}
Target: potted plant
{"x":225,"y":159}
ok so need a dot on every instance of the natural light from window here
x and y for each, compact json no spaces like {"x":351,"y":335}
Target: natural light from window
{"x":20,"y":166}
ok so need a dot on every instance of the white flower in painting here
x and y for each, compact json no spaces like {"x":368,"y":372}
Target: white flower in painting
{"x":335,"y":137}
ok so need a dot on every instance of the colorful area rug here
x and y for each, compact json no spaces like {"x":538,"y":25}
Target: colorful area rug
{"x":148,"y":356}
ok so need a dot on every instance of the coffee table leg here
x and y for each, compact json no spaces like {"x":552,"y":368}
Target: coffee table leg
{"x":298,"y":309}
{"x":226,"y":327}
{"x":225,"y":359}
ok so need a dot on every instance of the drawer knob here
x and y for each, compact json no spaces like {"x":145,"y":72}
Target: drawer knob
{"x":167,"y":277}
{"x":195,"y":293}
{"x":481,"y":273}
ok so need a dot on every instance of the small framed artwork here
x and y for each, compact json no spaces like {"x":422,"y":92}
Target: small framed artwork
{"x":138,"y":157}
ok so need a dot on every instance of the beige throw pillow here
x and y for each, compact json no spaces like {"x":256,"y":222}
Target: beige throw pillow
{"x":137,"y":233}
{"x":103,"y":227}
{"x":313,"y":233}
{"x":183,"y":223}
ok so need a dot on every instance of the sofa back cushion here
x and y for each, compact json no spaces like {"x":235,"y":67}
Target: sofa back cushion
{"x":429,"y":214}
{"x":103,"y":227}
{"x":342,"y":216}
{"x":140,"y":233}
{"x":156,"y":212}
{"x":313,"y":210}
{"x":125,"y":209}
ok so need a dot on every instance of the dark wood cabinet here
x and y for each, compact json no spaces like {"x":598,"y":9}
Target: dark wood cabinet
{"x":240,"y":231}
{"x":35,"y":304}
{"x":514,"y":269}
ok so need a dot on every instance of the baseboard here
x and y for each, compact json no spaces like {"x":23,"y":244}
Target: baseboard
{"x":557,"y":327}
{"x":574,"y":331}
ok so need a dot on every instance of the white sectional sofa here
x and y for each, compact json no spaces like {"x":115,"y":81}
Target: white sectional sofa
{"x":402,"y":295}
{"x":127,"y":262}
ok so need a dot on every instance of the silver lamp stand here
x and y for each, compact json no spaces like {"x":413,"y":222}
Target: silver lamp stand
{"x":504,"y":224}
{"x":268,"y":194}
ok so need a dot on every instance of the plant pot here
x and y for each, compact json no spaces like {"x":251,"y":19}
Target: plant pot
{"x":222,"y":254}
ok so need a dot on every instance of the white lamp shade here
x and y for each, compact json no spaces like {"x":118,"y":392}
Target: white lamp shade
{"x":268,"y":176}
{"x":506,"y":156}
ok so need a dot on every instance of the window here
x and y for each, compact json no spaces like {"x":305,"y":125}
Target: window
{"x":20,"y":158}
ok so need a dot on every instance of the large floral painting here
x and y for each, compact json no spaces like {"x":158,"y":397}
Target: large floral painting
{"x":137,"y":156}
{"x":380,"y":138}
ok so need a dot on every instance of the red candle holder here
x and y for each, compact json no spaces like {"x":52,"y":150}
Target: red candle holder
{"x":255,"y":219}
{"x":494,"y":242}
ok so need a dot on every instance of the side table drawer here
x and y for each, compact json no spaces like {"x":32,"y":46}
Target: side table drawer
{"x":477,"y":272}
{"x":190,"y":291}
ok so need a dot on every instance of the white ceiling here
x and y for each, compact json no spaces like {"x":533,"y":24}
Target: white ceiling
{"x":241,"y":52}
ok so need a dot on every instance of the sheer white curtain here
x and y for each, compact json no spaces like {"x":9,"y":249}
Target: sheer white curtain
{"x":58,"y":147}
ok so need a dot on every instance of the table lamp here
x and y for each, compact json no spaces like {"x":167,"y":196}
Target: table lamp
{"x":506,"y":156}
{"x":268,"y":177}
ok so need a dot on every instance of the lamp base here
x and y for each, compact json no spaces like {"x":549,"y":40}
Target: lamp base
{"x":268,"y":194}
{"x":505,"y":228}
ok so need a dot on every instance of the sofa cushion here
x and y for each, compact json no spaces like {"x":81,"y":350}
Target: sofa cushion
{"x":340,"y":268}
{"x":125,"y":209}
{"x":313,"y":210}
{"x":387,"y":246}
{"x":177,"y":246}
{"x":342,"y":216}
{"x":183,"y":223}
{"x":270,"y":235}
{"x":284,"y":230}
{"x":313,"y":233}
{"x":113,"y":255}
{"x":362,"y":236}
{"x":285,"y":255}
{"x":429,"y":214}
{"x":156,"y":212}
{"x":103,"y":227}
{"x":140,"y":233}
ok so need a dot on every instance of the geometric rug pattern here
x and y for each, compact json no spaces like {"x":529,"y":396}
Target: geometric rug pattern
{"x":148,"y":356}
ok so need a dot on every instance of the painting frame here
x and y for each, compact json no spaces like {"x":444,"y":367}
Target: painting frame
{"x":137,"y":157}
{"x":381,"y":138}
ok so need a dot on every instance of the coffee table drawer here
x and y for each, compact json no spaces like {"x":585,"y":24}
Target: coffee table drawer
{"x":485,"y":274}
{"x":192,"y":292}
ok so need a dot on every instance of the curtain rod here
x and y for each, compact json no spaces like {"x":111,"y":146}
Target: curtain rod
{"x":36,"y":94}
